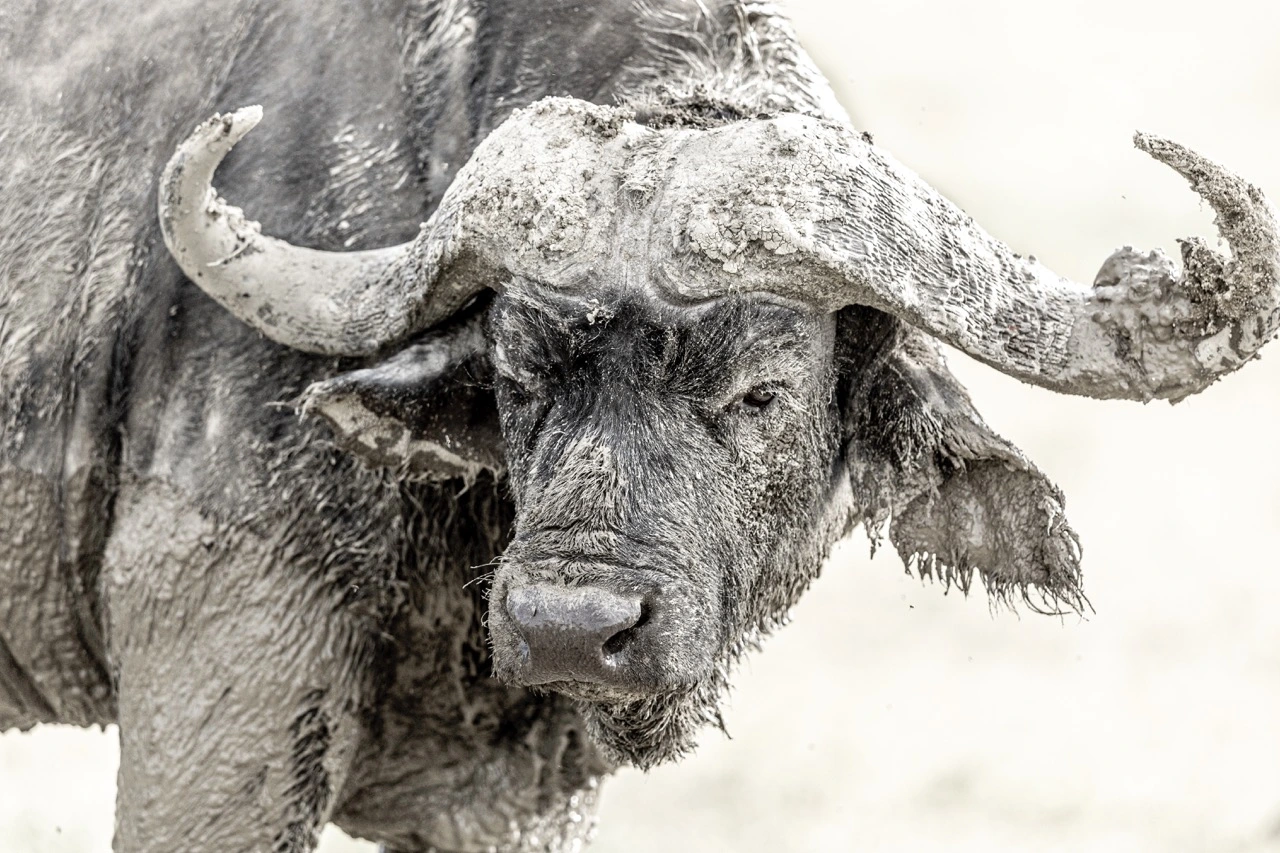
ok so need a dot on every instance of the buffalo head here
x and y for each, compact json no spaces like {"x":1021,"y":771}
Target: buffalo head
{"x":710,"y":353}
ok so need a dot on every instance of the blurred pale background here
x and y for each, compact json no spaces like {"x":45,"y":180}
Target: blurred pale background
{"x":889,"y":717}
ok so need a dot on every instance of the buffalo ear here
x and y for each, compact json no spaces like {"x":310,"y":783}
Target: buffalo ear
{"x":958,"y":498}
{"x":428,"y":412}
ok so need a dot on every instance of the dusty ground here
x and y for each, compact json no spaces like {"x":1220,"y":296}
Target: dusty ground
{"x":889,"y":717}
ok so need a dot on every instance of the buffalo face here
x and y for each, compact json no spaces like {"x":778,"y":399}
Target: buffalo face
{"x":680,"y":471}
{"x":669,"y":465}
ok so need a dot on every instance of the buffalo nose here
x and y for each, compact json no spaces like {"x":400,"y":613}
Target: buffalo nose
{"x":572,"y":633}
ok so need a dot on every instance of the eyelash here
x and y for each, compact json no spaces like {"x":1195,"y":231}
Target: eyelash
{"x":522,"y":392}
{"x":757,"y":400}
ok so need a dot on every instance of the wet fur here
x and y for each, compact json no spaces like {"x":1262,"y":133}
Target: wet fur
{"x":605,"y":411}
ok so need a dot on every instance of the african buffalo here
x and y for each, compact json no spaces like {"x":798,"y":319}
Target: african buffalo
{"x":283,"y":507}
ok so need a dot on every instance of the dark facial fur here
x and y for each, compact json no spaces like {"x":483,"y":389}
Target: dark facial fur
{"x":683,"y":453}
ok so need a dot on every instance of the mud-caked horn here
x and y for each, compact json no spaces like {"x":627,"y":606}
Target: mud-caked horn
{"x":807,"y":209}
{"x":333,"y":303}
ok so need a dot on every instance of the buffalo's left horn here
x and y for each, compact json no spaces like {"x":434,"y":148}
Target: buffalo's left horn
{"x":827,"y":218}
{"x":333,"y":303}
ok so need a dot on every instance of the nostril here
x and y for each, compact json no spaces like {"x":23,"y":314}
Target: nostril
{"x":619,"y":641}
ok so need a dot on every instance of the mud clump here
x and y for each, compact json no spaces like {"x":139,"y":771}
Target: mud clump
{"x":700,"y":109}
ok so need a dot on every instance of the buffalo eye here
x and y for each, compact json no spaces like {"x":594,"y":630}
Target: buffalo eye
{"x":757,"y":399}
{"x":522,"y":391}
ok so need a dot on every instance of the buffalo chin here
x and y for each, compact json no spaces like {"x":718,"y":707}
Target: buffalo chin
{"x":655,"y":729}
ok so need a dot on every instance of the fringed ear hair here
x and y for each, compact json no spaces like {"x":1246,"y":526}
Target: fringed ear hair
{"x":957,"y":498}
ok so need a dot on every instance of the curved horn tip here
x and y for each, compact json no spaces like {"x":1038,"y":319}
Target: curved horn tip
{"x":1180,"y":158}
{"x":193,"y":162}
{"x":1223,"y":189}
{"x":191,"y":168}
{"x":228,"y":128}
{"x":245,"y":119}
{"x":1154,"y":145}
